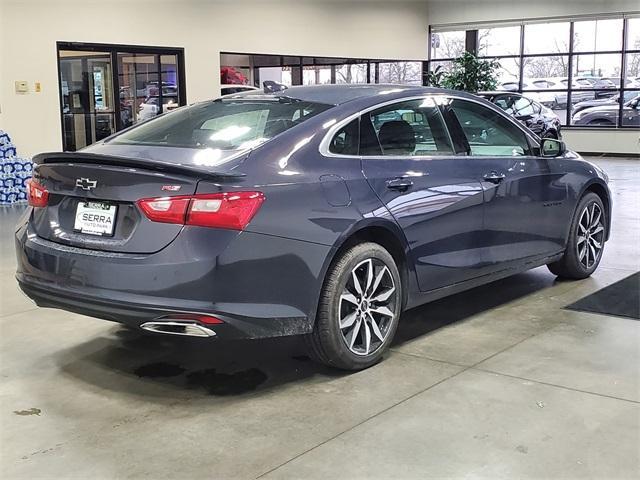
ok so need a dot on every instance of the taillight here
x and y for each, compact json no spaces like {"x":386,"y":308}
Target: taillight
{"x":232,"y":210}
{"x":37,"y":195}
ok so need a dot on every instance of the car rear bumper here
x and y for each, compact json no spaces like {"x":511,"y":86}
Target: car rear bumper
{"x":258,"y":285}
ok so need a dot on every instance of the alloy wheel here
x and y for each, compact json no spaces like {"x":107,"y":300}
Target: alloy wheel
{"x":590,"y":239}
{"x":367,"y":307}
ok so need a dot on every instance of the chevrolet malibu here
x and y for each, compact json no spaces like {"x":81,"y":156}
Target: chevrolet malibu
{"x":319,"y":211}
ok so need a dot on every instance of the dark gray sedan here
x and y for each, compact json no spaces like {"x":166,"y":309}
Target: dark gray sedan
{"x":607,"y":115}
{"x":317,"y":211}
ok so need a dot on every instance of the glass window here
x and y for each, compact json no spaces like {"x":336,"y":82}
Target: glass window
{"x":596,"y":69}
{"x":633,"y":34}
{"x":222,"y":124}
{"x":488,"y":132}
{"x":444,"y":66}
{"x":448,"y":44}
{"x":541,"y":68}
{"x":496,"y":42}
{"x":408,"y":73}
{"x":410,"y":128}
{"x":351,"y":73}
{"x":631,"y":112}
{"x":597,"y":35}
{"x":316,"y":75}
{"x":632,"y":71}
{"x":347,"y":139}
{"x":509,"y":71}
{"x":546,"y":38}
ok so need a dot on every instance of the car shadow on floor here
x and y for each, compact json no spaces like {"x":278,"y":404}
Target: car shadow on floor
{"x":422,"y":320}
{"x":165,"y":368}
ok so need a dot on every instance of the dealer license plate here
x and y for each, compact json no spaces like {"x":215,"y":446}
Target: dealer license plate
{"x":95,"y":218}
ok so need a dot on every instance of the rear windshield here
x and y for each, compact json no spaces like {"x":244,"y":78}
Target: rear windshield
{"x":222,"y":124}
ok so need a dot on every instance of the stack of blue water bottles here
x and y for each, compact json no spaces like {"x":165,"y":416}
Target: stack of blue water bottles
{"x":14,"y":173}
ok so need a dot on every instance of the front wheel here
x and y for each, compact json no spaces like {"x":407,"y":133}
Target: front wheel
{"x":586,"y":240}
{"x":359,"y":309}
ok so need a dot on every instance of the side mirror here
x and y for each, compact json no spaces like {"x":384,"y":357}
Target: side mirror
{"x":550,"y":148}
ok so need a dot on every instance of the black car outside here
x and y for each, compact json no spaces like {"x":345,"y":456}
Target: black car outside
{"x":539,"y":119}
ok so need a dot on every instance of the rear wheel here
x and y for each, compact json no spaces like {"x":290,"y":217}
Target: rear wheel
{"x":359,"y":309}
{"x":586,"y":240}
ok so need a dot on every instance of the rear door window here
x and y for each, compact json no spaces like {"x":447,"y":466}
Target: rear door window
{"x":409,"y":128}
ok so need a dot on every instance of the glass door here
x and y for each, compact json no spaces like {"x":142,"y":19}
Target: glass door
{"x":139,"y":89}
{"x":148,"y":86}
{"x":88,"y":113}
{"x":106,"y":88}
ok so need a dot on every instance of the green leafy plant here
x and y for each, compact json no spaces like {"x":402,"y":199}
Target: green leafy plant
{"x":435,"y":78}
{"x":471,"y":74}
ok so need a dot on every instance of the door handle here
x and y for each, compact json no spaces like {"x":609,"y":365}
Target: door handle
{"x":494,"y":177}
{"x":399,"y":183}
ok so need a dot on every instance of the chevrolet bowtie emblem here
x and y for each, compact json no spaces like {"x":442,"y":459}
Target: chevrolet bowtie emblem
{"x":86,"y":184}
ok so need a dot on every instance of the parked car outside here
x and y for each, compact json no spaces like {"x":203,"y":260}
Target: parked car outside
{"x":560,"y":97}
{"x":314,"y":211}
{"x":604,"y":87}
{"x":628,"y":82}
{"x":607,"y":115}
{"x":548,"y":99}
{"x":615,"y":100}
{"x":539,"y":119}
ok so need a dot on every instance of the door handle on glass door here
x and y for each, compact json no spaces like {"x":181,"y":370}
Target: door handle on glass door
{"x":494,"y":177}
{"x":399,"y":183}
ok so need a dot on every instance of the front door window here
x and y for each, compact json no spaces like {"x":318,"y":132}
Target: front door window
{"x":488,"y":133}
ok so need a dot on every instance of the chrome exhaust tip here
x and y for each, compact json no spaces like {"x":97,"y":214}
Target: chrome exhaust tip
{"x":188,"y":329}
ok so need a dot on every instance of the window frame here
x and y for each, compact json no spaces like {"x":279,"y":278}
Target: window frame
{"x":113,"y":50}
{"x":323,"y":147}
{"x":456,"y":129}
{"x":472,"y":30}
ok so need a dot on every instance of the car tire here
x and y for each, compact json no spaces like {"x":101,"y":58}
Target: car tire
{"x":586,"y":240}
{"x":355,"y":323}
{"x":600,"y":123}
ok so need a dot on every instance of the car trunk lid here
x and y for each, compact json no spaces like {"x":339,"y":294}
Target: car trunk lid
{"x":92,"y":198}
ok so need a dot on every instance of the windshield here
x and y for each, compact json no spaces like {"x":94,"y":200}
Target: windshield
{"x":233,"y":124}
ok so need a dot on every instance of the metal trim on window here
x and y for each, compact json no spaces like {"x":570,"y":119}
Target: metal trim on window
{"x":323,"y":147}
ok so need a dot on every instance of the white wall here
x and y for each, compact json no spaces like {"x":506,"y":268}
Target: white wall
{"x":29,"y":30}
{"x":459,"y":11}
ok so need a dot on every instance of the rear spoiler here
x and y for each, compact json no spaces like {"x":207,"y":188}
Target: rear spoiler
{"x":147,"y":164}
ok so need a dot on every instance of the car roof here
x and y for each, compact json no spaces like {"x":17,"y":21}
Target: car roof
{"x":338,"y":94}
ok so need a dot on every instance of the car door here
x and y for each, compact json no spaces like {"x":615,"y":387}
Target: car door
{"x":631,"y":113}
{"x":410,"y":162}
{"x":523,"y":194}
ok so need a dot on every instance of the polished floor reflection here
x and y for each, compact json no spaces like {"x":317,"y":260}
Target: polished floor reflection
{"x":498,"y":382}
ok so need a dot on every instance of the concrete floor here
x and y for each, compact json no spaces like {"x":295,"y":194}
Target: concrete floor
{"x":498,"y":382}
